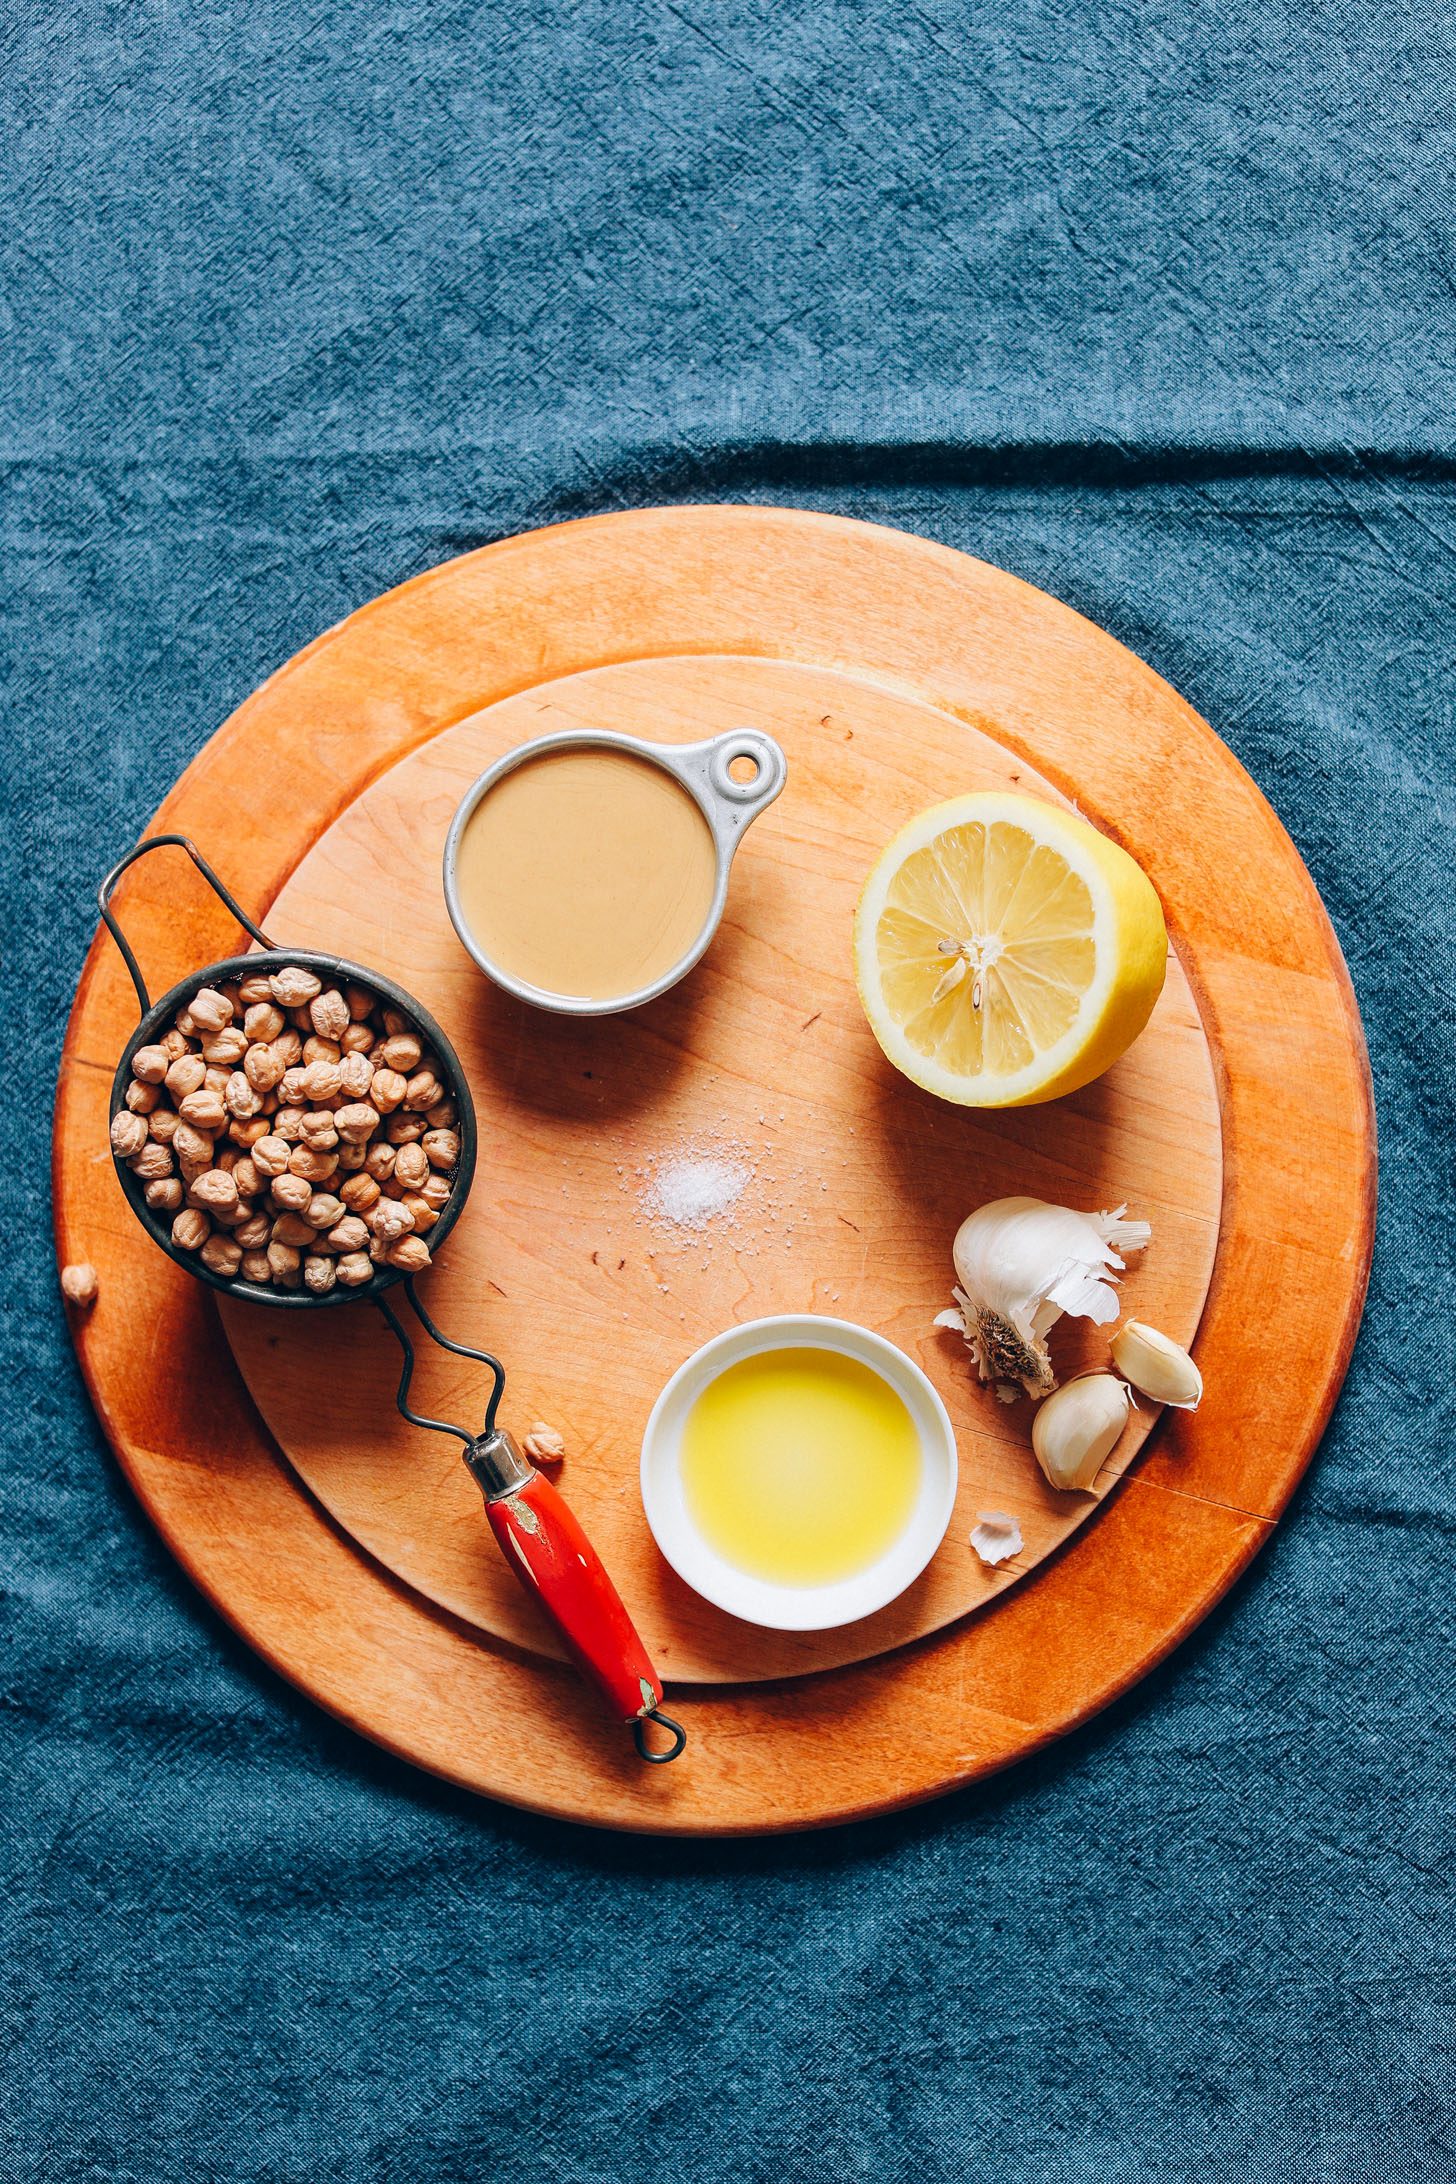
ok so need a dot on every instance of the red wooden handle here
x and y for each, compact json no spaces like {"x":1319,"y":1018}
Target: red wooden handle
{"x":554,"y":1560}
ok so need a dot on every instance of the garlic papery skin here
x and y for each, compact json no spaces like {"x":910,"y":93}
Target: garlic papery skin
{"x":1020,"y":1264}
{"x":1076,"y":1429}
{"x":1156,"y":1366}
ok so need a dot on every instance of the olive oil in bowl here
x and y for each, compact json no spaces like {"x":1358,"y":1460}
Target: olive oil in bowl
{"x":801,"y":1467}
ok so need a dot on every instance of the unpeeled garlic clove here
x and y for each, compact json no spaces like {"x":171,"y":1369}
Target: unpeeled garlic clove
{"x":1156,"y":1366}
{"x":1077,"y":1427}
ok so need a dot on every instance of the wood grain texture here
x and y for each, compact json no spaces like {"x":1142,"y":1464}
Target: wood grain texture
{"x":1298,"y":1136}
{"x":762,"y":1056}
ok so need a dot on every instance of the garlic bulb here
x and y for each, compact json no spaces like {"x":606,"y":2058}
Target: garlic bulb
{"x":1020,"y":1265}
{"x":1156,"y":1366}
{"x":1078,"y":1427}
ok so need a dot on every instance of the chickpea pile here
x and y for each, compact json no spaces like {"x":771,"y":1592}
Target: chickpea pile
{"x":295,"y":1136}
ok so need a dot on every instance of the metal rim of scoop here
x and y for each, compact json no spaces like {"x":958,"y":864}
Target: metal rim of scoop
{"x":156,"y":1018}
{"x":703,"y":770}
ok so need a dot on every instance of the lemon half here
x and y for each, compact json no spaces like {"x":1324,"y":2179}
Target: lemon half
{"x":1005,"y":951}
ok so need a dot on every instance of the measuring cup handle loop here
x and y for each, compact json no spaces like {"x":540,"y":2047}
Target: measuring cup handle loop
{"x":675,"y":1729}
{"x":108,"y":885}
{"x":770,"y":770}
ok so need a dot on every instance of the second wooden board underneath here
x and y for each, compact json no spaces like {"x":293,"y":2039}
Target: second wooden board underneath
{"x":567,"y":1261}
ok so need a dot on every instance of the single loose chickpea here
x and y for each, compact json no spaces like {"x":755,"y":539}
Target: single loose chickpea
{"x":191,"y":1229}
{"x":150,"y":1064}
{"x":394,"y":1023}
{"x":79,"y":1284}
{"x":186,"y":1075}
{"x":164,"y":1196}
{"x":289,"y":1047}
{"x":247,"y":1175}
{"x":222,"y":1254}
{"x":183,"y":1022}
{"x":354,"y":1269}
{"x":359,"y":1192}
{"x":256,"y":1266}
{"x":291,"y":1086}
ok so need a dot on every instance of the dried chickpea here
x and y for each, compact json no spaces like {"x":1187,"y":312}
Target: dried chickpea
{"x":390,"y":1219}
{"x":314,"y":1167}
{"x":422,"y":1091}
{"x":183,"y":1023}
{"x":215,"y":1191}
{"x":246,"y":1130}
{"x":290,"y":1193}
{"x":350,"y":1234}
{"x":263,"y":1067}
{"x":164,"y":1196}
{"x":239,"y":1097}
{"x":288,"y":1124}
{"x":142,"y":1098}
{"x":191,"y":1144}
{"x":323,"y":1210}
{"x":263,"y":1021}
{"x":247,"y":1175}
{"x":318,"y":1275}
{"x":358,"y":1039}
{"x":442,"y":1147}
{"x":321,"y":1080}
{"x":289,"y":1047}
{"x":424,"y":1213}
{"x":318,"y":1130}
{"x":411,"y":1166}
{"x":254,"y":989}
{"x":190,"y":1170}
{"x":329,"y":1014}
{"x":185,"y":1075}
{"x":174,"y":1044}
{"x":227,"y":1049}
{"x":204,"y":1110}
{"x":163,"y":1124}
{"x":361,"y":1003}
{"x":411,"y":1253}
{"x":153,"y":1164}
{"x":354,"y":1269}
{"x":380,"y":1163}
{"x":256,"y":1266}
{"x":443,"y":1116}
{"x":209,"y":1009}
{"x":292,"y":1229}
{"x":356,"y":1122}
{"x":359,"y":1192}
{"x":403,"y":1129}
{"x":350,"y":1155}
{"x":293,"y":986}
{"x":387,"y":1088}
{"x":283,"y":1263}
{"x":191,"y":1229}
{"x":222,"y":1254}
{"x":291,"y":1086}
{"x":401,"y":1052}
{"x":356,"y":1073}
{"x":270,"y":1156}
{"x":394,"y":1023}
{"x":215,"y":1080}
{"x":79,"y":1284}
{"x":254,"y":1233}
{"x":150,"y":1064}
{"x":436,"y":1189}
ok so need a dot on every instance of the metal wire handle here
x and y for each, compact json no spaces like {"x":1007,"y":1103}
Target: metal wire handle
{"x":461,"y":1349}
{"x":163,"y":841}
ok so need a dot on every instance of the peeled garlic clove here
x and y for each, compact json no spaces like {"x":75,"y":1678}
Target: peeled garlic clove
{"x":1078,"y":1427}
{"x":1156,"y":1366}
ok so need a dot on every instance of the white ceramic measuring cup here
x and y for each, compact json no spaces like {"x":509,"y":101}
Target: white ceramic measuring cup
{"x":704,"y":769}
{"x":758,"y":1600}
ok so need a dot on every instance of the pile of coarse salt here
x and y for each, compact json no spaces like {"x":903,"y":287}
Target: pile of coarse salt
{"x":695,"y":1184}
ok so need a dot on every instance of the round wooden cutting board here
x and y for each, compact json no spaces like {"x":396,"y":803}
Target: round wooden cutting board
{"x":323,"y":802}
{"x":564,"y":1264}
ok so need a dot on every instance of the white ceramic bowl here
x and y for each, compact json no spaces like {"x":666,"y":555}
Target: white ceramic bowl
{"x":754,"y":1599}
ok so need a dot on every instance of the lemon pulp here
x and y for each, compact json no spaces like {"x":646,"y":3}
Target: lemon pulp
{"x":1005,"y":951}
{"x":800,"y":1467}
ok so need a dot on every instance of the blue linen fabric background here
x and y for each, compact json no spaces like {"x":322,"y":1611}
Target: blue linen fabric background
{"x":1153,"y":305}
